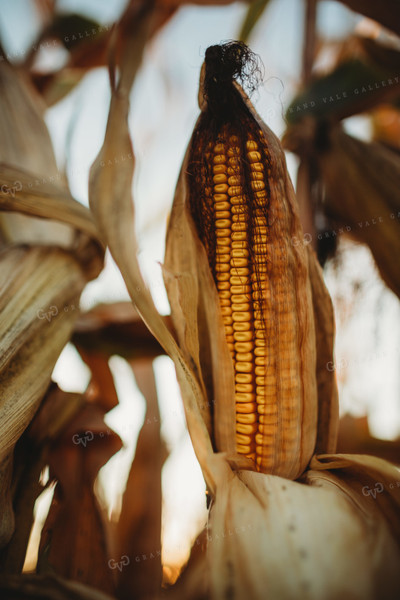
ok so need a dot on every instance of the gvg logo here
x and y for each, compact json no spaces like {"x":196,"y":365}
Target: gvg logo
{"x":123,"y":562}
{"x":378,"y":489}
{"x":83,"y":438}
{"x":7,"y":190}
{"x":307,"y":239}
{"x":49,"y":314}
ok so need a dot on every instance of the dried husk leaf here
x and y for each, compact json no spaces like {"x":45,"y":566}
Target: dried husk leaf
{"x":139,"y":524}
{"x":73,"y":541}
{"x":362,"y":183}
{"x":274,"y":538}
{"x":45,"y":265}
{"x":7,"y":522}
{"x":365,"y":84}
{"x":54,"y":414}
{"x":46,"y":587}
{"x":354,"y":437}
{"x":387,"y":12}
{"x":114,"y":329}
{"x":111,"y":203}
{"x":371,"y":482}
{"x":32,"y":281}
{"x":22,"y":125}
{"x":328,"y":401}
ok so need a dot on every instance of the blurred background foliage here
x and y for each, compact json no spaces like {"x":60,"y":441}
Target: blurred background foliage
{"x":332,"y":92}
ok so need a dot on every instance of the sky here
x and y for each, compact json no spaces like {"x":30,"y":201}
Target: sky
{"x":163,"y":112}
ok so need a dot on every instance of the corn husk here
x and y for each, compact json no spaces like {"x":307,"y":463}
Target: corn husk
{"x":44,"y":266}
{"x":278,"y":539}
{"x":328,"y":402}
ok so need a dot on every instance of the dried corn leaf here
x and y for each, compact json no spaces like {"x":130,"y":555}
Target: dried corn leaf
{"x":139,"y":526}
{"x":254,"y":13}
{"x":73,"y":541}
{"x":362,"y":186}
{"x":386,"y":126}
{"x":193,"y":579}
{"x":355,"y":438}
{"x":53,"y":416}
{"x":21,"y":123}
{"x":46,"y":587}
{"x":115,"y":329}
{"x":387,"y":12}
{"x":40,"y":287}
{"x":38,"y":306}
{"x":353,"y":87}
{"x":7,"y":521}
{"x":111,"y":203}
{"x":40,"y":197}
{"x":101,"y":388}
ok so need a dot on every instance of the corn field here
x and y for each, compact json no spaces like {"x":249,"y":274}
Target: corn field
{"x":196,"y":198}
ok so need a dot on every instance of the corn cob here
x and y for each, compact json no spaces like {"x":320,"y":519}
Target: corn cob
{"x":246,"y":231}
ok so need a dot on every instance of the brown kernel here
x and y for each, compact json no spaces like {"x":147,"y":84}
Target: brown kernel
{"x":246,"y":326}
{"x":220,"y":198}
{"x":246,"y":428}
{"x":221,"y":205}
{"x":221,"y":188}
{"x":222,"y":214}
{"x":219,"y":169}
{"x":243,"y":336}
{"x":223,"y":232}
{"x":243,"y":378}
{"x":241,"y":317}
{"x":242,"y":307}
{"x":220,"y":178}
{"x":244,"y":357}
{"x":253,"y":156}
{"x":240,"y":298}
{"x":244,"y":367}
{"x":247,"y":419}
{"x":244,"y":387}
{"x":222,"y":223}
{"x":244,"y":346}
{"x":246,"y":407}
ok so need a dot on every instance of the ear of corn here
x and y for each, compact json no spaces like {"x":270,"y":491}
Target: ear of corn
{"x":240,"y":199}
